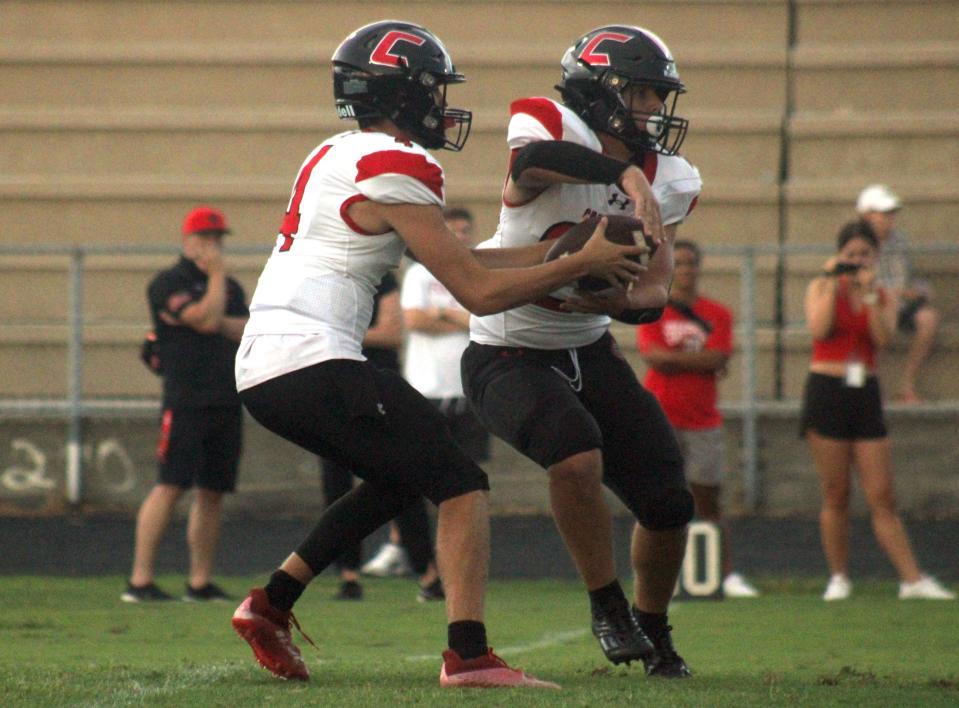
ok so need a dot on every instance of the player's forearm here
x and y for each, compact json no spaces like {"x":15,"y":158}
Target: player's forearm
{"x":704,"y":361}
{"x":206,"y":314}
{"x":505,"y":288}
{"x":651,"y":291}
{"x":436,"y":321}
{"x":517,"y":257}
{"x":384,"y":335}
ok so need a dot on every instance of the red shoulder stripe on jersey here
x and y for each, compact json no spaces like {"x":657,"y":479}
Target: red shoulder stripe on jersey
{"x":345,"y":214}
{"x":543,"y":110}
{"x":403,"y":163}
{"x":650,"y":163}
{"x":692,"y":205}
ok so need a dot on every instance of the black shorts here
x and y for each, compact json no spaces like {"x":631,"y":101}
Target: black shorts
{"x":529,"y":398}
{"x":835,"y":410}
{"x":906,"y":317}
{"x":467,"y":430}
{"x":370,"y":421}
{"x":200,"y":446}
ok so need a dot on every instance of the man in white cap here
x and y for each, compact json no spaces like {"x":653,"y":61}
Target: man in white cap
{"x":878,"y":206}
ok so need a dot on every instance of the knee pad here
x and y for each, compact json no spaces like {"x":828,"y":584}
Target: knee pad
{"x":665,"y":509}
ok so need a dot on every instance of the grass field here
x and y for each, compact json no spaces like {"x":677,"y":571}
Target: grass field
{"x":71,"y":642}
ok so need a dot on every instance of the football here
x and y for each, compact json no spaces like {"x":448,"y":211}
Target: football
{"x":624,"y":230}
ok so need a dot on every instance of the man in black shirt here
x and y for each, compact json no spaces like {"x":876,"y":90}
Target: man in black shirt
{"x":198,"y":315}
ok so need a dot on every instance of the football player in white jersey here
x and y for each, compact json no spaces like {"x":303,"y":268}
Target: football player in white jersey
{"x":548,"y":377}
{"x":360,"y":199}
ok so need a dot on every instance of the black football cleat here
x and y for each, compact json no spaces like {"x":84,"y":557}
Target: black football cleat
{"x":664,"y":662}
{"x":620,"y":637}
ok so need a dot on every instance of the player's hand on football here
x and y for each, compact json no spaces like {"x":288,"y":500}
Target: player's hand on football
{"x":635,"y":185}
{"x":611,"y":261}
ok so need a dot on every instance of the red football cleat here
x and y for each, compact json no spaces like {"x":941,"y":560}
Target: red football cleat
{"x":267,"y":630}
{"x":487,"y":671}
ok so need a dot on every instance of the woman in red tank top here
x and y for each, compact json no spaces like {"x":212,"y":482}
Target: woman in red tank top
{"x":850,"y":319}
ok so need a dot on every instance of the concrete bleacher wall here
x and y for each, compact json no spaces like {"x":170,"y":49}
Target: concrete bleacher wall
{"x":118,"y":116}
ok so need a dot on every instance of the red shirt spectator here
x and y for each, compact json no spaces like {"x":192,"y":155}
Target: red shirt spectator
{"x":688,"y":397}
{"x":850,"y":338}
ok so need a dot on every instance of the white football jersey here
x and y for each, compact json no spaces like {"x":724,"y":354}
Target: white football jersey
{"x":543,"y":325}
{"x":432,"y":361}
{"x":314,"y":299}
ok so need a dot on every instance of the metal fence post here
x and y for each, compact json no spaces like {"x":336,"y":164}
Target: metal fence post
{"x":74,"y":472}
{"x":750,"y":411}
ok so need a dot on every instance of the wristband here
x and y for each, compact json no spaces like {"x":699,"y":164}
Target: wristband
{"x":643,"y":315}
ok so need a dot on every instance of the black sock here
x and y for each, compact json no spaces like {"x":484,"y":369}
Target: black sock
{"x":283,"y":590}
{"x":607,"y":598}
{"x":651,"y":622}
{"x":467,"y":638}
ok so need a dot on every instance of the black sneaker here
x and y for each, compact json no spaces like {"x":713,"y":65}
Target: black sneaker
{"x":208,"y":593}
{"x":665,"y":662}
{"x":620,"y":636}
{"x":144,"y":593}
{"x":432,"y":592}
{"x":349,"y":590}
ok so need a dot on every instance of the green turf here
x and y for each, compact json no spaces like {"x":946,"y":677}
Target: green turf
{"x":71,"y":642}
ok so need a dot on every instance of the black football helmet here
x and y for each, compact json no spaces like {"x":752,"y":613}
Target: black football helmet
{"x":399,"y":70}
{"x":601,"y":64}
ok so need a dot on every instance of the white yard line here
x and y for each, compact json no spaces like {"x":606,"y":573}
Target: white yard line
{"x":549,"y":640}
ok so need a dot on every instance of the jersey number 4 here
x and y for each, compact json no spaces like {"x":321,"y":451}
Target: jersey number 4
{"x":291,"y":220}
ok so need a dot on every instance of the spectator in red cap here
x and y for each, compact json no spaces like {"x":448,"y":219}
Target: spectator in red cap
{"x":205,"y":220}
{"x":198,"y":313}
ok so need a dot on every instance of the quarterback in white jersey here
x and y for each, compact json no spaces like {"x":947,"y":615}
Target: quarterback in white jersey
{"x":314,"y":299}
{"x":548,"y":377}
{"x":359,"y":200}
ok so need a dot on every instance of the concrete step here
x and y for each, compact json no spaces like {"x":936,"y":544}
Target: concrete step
{"x":114,"y":143}
{"x":112,"y":367}
{"x":231,"y":75}
{"x":293,"y":22}
{"x":861,"y":144}
{"x":938,"y":379}
{"x":819,"y":206}
{"x":148,"y":209}
{"x":842,"y":78}
{"x":854,"y":21}
{"x":34,"y":290}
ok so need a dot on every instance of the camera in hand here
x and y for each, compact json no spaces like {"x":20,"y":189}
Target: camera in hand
{"x":843,"y":268}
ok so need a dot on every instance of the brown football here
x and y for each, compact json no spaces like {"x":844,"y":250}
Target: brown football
{"x":625,"y":230}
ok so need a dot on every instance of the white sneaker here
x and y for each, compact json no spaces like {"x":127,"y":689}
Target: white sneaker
{"x":389,"y":560}
{"x":839,"y":588}
{"x":926,"y":588}
{"x":735,"y":585}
